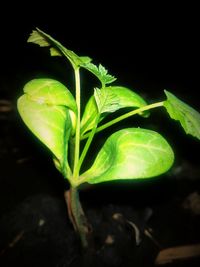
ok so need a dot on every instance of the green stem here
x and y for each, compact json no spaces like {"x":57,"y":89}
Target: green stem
{"x":125,"y":116}
{"x":88,"y":143}
{"x":77,"y":134}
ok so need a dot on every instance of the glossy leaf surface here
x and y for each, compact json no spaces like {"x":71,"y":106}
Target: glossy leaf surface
{"x":186,"y":115}
{"x":132,"y":153}
{"x":50,"y":92}
{"x":44,"y":108}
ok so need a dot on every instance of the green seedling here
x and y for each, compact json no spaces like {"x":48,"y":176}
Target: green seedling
{"x":53,"y":113}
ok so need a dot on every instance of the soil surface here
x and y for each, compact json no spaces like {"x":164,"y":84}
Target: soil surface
{"x":133,"y":222}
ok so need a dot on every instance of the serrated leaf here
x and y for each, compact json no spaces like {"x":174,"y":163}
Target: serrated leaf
{"x":45,"y":108}
{"x":37,"y":38}
{"x":109,"y":99}
{"x":100,"y":72}
{"x":188,"y":117}
{"x":132,"y":153}
{"x":54,"y":52}
{"x":56,"y":48}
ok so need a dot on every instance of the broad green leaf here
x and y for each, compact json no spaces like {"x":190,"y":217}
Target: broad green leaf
{"x":100,"y":72}
{"x":51,"y":92}
{"x":186,"y":115}
{"x":57,"y":49}
{"x":109,"y":99}
{"x":46,"y":122}
{"x":132,"y":153}
{"x":44,"y":108}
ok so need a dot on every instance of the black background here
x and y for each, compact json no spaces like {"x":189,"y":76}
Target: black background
{"x":148,"y":47}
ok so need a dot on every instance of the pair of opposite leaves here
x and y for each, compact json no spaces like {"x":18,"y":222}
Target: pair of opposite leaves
{"x":49,"y":110}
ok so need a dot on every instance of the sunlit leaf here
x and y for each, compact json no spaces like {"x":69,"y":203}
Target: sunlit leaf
{"x":100,"y":72}
{"x":132,"y":153}
{"x":44,"y":108}
{"x":107,"y":100}
{"x":188,"y":117}
{"x":51,"y":92}
{"x":56,"y":48}
{"x":55,"y":52}
{"x":46,"y":122}
{"x":37,"y":38}
{"x":89,"y":115}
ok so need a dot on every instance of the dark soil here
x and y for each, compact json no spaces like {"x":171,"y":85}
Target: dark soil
{"x":132,"y":222}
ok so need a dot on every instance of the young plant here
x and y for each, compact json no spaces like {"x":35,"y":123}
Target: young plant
{"x":53,"y":114}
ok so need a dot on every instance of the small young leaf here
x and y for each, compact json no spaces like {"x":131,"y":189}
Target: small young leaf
{"x":45,"y":108}
{"x":109,"y":99}
{"x":37,"y":38}
{"x":186,"y":115}
{"x":131,"y":153}
{"x":57,"y":49}
{"x":100,"y":72}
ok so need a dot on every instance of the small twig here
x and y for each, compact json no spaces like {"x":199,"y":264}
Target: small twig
{"x":137,"y":232}
{"x":150,"y":236}
{"x":15,"y":240}
{"x":119,"y":217}
{"x":169,"y":255}
{"x":22,"y":160}
{"x":5,"y":106}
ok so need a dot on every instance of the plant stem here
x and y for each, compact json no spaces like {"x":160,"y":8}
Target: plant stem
{"x":125,"y":116}
{"x":75,"y":210}
{"x":77,"y":134}
{"x":77,"y":216}
{"x":88,"y":143}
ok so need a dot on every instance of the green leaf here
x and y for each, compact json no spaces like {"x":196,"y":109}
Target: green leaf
{"x":131,"y":153}
{"x":109,"y":99}
{"x":186,"y":115}
{"x":100,"y":72}
{"x":56,"y":49}
{"x":51,"y":92}
{"x":89,"y":116}
{"x":45,"y":108}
